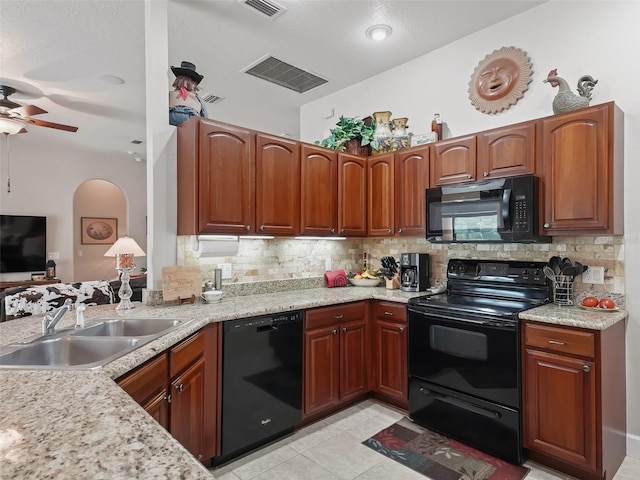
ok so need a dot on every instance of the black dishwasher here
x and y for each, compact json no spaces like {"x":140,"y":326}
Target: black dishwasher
{"x":261,"y":381}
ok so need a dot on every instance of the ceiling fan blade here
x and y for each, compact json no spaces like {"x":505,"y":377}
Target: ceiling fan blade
{"x":28,"y":111}
{"x":42,"y":123}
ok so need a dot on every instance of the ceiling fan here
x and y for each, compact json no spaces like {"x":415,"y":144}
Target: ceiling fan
{"x":14,"y":117}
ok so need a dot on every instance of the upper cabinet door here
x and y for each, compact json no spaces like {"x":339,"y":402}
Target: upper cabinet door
{"x":319,"y":190}
{"x":580,"y":159}
{"x":454,"y":161}
{"x":352,"y":195}
{"x":226,"y":179}
{"x":277,"y":185}
{"x":380,"y":191}
{"x":411,"y":181}
{"x":507,"y":152}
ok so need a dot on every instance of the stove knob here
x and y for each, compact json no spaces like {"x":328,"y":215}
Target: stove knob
{"x":463,"y":268}
{"x":525,"y":272}
{"x":537,"y":272}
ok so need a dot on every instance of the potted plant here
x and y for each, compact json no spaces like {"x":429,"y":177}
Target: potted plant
{"x":352,"y":135}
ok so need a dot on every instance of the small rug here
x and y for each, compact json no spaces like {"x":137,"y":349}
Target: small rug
{"x":439,"y":457}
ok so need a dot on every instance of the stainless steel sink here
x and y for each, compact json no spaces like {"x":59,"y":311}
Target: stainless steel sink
{"x":67,"y":352}
{"x":130,"y":327}
{"x":87,"y":348}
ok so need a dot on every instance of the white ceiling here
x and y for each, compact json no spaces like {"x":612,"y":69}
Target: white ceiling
{"x":57,"y":52}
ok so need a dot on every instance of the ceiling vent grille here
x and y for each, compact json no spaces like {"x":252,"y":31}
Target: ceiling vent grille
{"x":210,"y":98}
{"x":268,"y":8}
{"x":281,"y":73}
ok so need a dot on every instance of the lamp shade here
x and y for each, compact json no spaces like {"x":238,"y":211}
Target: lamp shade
{"x":10,"y":126}
{"x":125,"y":246}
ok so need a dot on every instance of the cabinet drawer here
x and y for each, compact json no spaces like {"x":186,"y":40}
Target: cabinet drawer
{"x":143,"y":383}
{"x":393,"y":312}
{"x":322,"y":317}
{"x":185,"y":353}
{"x":575,"y":342}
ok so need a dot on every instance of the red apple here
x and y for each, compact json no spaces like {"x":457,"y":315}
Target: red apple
{"x":607,"y":303}
{"x":590,"y":302}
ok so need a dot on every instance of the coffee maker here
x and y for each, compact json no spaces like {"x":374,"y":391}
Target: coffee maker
{"x":414,"y":272}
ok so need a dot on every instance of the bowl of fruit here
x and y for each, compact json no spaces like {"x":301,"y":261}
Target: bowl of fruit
{"x":367,"y":278}
{"x":602,"y":305}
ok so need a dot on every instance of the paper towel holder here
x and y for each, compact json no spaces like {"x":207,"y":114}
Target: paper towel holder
{"x":215,"y":245}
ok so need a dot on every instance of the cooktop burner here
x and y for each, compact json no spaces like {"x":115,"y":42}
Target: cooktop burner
{"x":489,"y":288}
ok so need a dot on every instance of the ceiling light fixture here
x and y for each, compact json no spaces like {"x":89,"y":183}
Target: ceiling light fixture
{"x":379,"y":32}
{"x":11,"y":126}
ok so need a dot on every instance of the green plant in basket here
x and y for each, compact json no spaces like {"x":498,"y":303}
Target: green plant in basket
{"x":348,"y":128}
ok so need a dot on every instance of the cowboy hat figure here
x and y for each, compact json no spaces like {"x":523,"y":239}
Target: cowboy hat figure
{"x":184,"y":101}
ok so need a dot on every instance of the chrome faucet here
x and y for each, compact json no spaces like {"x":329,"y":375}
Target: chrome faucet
{"x":50,"y":321}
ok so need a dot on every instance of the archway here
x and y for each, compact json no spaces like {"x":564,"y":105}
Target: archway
{"x":101,"y":207}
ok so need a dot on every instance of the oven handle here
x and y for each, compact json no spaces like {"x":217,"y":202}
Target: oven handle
{"x":462,"y":404}
{"x":494,"y":323}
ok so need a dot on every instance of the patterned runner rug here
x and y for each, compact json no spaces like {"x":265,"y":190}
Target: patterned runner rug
{"x":439,"y":457}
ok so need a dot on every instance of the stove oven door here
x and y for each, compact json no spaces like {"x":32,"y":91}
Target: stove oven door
{"x":473,"y":356}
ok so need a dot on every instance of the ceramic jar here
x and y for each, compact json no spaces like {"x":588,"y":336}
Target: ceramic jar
{"x":382,"y":125}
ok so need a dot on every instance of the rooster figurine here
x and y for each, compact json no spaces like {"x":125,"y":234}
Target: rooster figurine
{"x":566,"y":100}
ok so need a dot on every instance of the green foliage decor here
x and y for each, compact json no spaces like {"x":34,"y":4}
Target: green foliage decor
{"x":347,"y":129}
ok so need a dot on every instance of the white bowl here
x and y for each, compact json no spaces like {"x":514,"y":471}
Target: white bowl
{"x":212,"y":296}
{"x":365,"y":282}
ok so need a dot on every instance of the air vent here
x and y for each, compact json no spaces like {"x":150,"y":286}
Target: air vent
{"x":211,"y":98}
{"x":281,"y":73}
{"x":268,"y":8}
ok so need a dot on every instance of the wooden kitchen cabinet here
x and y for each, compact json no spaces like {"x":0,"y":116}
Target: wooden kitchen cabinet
{"x":336,"y":349}
{"x":390,"y":377}
{"x":216,"y":178}
{"x":380,"y":195}
{"x":277,"y":185}
{"x":411,"y":176}
{"x":319,"y":191}
{"x":507,"y":151}
{"x":454,"y":161}
{"x":179,"y":388}
{"x":582,"y":167}
{"x":352,"y":195}
{"x":574,"y":401}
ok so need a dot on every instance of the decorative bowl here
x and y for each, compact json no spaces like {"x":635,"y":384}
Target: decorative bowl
{"x":365,"y":282}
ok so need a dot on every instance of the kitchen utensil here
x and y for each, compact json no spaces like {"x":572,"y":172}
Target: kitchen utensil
{"x":554,"y":263}
{"x":548,"y":272}
{"x":580,"y":268}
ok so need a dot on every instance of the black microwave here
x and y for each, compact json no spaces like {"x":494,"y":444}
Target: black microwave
{"x":499,"y":210}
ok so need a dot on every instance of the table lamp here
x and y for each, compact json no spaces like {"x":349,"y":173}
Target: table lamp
{"x":124,"y":250}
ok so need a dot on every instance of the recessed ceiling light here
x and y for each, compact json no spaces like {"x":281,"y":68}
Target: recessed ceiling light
{"x":111,"y":79}
{"x":379,"y":32}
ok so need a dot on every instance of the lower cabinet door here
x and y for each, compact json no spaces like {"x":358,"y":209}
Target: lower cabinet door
{"x":158,"y":408}
{"x":188,"y":408}
{"x":390,"y":365}
{"x":321,"y":369}
{"x":353,"y":376}
{"x":560,"y":407}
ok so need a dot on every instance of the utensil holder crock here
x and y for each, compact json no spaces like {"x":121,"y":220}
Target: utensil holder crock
{"x":563,"y":290}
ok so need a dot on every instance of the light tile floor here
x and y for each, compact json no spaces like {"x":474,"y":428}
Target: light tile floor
{"x":331,"y":449}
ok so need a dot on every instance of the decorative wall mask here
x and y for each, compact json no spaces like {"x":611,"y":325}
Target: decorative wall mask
{"x":500,"y":80}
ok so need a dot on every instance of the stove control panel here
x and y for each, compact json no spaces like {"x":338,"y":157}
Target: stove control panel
{"x":498,"y":271}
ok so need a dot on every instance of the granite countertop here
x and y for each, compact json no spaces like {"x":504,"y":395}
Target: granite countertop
{"x":80,"y":424}
{"x":572,"y":316}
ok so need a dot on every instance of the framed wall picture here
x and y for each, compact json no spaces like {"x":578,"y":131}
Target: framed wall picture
{"x":98,"y":231}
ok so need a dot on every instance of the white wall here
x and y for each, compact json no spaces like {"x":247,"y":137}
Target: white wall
{"x":44,"y":177}
{"x":597,"y":38}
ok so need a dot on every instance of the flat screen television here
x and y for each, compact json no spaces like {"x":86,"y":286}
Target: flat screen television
{"x":23,"y":243}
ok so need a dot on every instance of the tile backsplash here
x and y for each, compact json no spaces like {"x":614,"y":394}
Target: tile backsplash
{"x":283,"y":258}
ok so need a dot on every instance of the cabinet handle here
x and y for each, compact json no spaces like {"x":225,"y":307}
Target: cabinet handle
{"x":485,"y":174}
{"x":556,"y":342}
{"x":546,"y":225}
{"x":168,"y":398}
{"x":388,"y":230}
{"x":262,"y":228}
{"x":339,"y":316}
{"x":180,"y":387}
{"x":400,"y":230}
{"x":333,"y":231}
{"x":586,"y":368}
{"x":342,"y":231}
{"x":247,"y":227}
{"x":344,"y":329}
{"x":334,"y":331}
{"x":468,"y":175}
{"x":401,"y":329}
{"x":389,"y":313}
